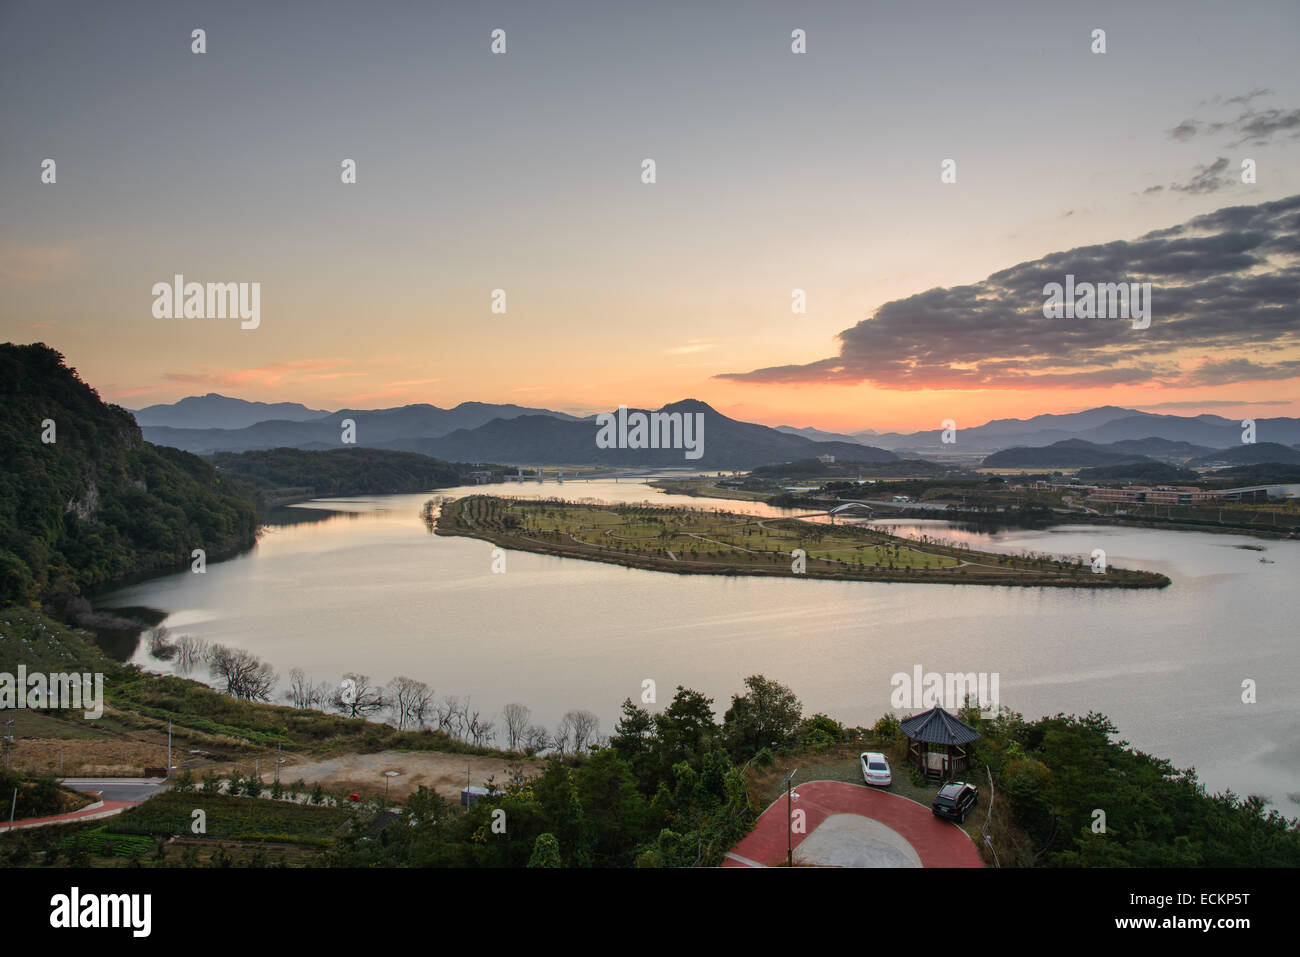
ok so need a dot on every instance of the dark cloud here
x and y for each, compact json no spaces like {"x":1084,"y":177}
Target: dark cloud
{"x":1226,"y":371}
{"x":1256,"y":129}
{"x":1208,"y":179}
{"x":1245,"y":98}
{"x":1252,"y":127}
{"x":1225,"y":291}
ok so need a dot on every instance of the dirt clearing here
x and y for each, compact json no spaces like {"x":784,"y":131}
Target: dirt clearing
{"x":364,"y":773}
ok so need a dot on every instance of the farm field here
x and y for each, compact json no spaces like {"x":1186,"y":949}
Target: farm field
{"x":230,"y":818}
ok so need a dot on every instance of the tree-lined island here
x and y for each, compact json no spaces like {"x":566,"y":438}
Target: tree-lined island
{"x":688,"y":541}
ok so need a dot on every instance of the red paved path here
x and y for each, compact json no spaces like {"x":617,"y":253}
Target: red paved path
{"x":937,"y":842}
{"x":94,"y":812}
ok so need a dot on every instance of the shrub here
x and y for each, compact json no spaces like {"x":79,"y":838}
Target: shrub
{"x":546,"y":852}
{"x":886,"y":729}
{"x":818,"y":740}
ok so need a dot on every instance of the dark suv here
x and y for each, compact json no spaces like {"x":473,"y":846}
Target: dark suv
{"x":954,"y":801}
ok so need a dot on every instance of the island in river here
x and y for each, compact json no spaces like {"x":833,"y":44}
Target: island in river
{"x":690,"y":541}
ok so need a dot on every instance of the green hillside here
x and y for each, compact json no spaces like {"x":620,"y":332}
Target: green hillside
{"x":346,"y":471}
{"x":1149,"y":472}
{"x":97,"y":503}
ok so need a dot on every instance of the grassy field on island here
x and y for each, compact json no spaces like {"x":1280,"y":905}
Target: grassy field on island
{"x":690,"y":541}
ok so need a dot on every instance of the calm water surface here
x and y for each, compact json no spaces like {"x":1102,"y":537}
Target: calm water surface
{"x":367,"y":588}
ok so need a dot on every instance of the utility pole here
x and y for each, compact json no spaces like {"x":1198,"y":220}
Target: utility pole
{"x":12,"y":806}
{"x":8,"y":740}
{"x":169,"y":749}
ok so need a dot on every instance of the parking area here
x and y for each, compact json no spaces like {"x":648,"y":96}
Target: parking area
{"x":851,"y":825}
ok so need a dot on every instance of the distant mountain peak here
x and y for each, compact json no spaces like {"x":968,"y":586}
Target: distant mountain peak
{"x":216,"y":411}
{"x":689,"y":405}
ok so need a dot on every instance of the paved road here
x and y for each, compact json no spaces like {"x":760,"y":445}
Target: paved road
{"x":94,"y":812}
{"x":133,"y":790}
{"x":117,"y":794}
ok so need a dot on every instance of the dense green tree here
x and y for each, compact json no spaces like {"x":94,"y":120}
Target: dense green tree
{"x":764,"y":717}
{"x":557,"y":793}
{"x":614,"y":811}
{"x":354,"y":470}
{"x":546,"y":852}
{"x":84,"y":500}
{"x":1058,"y":772}
{"x":685,"y":728}
{"x":634,"y":739}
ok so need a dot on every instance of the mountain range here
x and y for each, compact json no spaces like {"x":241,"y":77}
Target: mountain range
{"x":213,"y":411}
{"x":1100,"y":425}
{"x":212,"y":423}
{"x":509,"y":434}
{"x":1080,"y":453}
{"x":513,"y":434}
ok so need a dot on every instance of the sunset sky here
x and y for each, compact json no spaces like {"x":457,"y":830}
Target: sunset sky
{"x":775,"y":172}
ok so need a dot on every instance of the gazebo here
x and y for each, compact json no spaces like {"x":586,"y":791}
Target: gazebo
{"x":937,"y":743}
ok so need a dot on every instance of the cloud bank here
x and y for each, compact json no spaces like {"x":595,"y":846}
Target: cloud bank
{"x":1226,"y":309}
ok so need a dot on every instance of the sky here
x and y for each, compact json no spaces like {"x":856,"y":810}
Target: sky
{"x":774,"y":172}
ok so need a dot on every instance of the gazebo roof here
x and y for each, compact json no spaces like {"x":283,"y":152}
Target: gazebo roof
{"x":937,"y":726}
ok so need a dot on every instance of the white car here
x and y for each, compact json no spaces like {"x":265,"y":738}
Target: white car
{"x":875,"y":769}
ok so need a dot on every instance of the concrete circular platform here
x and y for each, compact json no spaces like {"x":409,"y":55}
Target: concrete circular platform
{"x":850,"y":825}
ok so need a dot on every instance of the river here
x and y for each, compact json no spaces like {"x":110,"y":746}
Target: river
{"x":367,"y":588}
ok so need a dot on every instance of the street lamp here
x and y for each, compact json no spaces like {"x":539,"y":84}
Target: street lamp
{"x":388,"y":776}
{"x":789,"y":825}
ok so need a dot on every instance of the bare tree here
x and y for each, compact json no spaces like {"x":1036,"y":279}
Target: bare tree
{"x":453,"y":716}
{"x":422,"y":703}
{"x":583,"y":726}
{"x":478,"y":731}
{"x":307,"y":694}
{"x":356,"y":697}
{"x":402,"y":695}
{"x":244,"y":674}
{"x":560,"y":739}
{"x":302,"y":692}
{"x":160,"y":644}
{"x":536,"y":738}
{"x":442,"y":712}
{"x":320,"y":696}
{"x":190,"y":653}
{"x":516,"y":718}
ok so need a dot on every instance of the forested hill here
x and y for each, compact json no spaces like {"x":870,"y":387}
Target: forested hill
{"x":96,"y":503}
{"x":345,"y":471}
